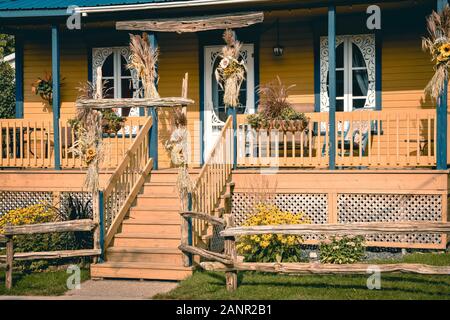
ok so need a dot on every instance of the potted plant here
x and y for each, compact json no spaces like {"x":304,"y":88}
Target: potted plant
{"x":275,"y":110}
{"x":111,"y":122}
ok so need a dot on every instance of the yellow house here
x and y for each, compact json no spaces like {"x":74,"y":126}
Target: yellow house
{"x":374,"y":149}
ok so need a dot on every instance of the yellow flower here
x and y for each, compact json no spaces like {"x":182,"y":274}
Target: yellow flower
{"x":90,"y":154}
{"x":445,"y":50}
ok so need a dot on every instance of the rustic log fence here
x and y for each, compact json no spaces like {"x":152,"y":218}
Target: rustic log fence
{"x":84,"y":225}
{"x":228,"y":261}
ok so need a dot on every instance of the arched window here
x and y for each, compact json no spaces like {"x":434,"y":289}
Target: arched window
{"x":355,"y":73}
{"x":121,"y":83}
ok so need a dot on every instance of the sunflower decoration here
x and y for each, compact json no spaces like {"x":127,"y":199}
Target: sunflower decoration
{"x":438,"y":45}
{"x":230,"y":73}
{"x":90,"y":155}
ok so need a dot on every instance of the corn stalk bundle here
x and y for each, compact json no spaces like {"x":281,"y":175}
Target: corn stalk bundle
{"x":438,"y":45}
{"x":230,"y":74}
{"x":178,"y":147}
{"x":144,"y":59}
{"x":89,"y":143}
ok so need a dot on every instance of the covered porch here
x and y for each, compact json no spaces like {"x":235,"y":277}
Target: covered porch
{"x":398,"y":127}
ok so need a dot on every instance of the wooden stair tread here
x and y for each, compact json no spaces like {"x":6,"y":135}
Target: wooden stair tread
{"x":173,"y":222}
{"x":154,"y":208}
{"x":161,"y":250}
{"x":147,"y":236}
{"x":142,"y":265}
{"x":159,"y":195}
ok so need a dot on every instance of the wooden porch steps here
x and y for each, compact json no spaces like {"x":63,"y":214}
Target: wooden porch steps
{"x":140,"y":270}
{"x":146,"y":245}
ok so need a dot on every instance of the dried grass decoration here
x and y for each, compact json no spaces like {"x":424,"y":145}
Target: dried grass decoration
{"x":178,"y":147}
{"x":144,"y":59}
{"x":89,"y":143}
{"x":231,"y":70}
{"x":438,"y":44}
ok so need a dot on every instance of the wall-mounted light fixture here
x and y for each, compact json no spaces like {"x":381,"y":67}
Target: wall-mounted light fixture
{"x":278,"y":49}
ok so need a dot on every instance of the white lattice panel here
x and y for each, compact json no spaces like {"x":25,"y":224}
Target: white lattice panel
{"x":392,"y":208}
{"x":10,"y":200}
{"x":315,"y":206}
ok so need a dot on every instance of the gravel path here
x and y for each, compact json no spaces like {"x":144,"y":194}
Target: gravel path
{"x":109,"y":290}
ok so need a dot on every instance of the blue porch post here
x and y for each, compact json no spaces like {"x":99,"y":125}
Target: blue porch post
{"x":101,"y":224}
{"x":189,"y":221}
{"x":19,"y":75}
{"x":232,"y":112}
{"x":332,"y":83}
{"x":441,"y":116}
{"x":56,"y":94}
{"x":153,"y":148}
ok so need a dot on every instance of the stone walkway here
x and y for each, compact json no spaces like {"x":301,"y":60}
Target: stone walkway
{"x":109,"y":290}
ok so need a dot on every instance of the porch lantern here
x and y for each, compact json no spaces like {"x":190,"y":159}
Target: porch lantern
{"x":278,"y":49}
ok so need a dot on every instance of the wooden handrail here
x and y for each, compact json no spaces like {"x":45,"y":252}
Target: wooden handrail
{"x":126,"y":181}
{"x":213,"y":177}
{"x":208,"y":160}
{"x":131,"y":150}
{"x":203,"y":216}
{"x":50,"y":227}
{"x":341,"y":228}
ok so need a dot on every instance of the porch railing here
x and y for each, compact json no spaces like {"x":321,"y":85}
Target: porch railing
{"x":385,"y":139}
{"x":30,"y":144}
{"x":214,"y":175}
{"x":126,"y":181}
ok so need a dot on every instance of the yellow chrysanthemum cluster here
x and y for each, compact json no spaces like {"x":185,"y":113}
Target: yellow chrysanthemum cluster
{"x":33,"y":214}
{"x":442,"y":53}
{"x":273,"y":244}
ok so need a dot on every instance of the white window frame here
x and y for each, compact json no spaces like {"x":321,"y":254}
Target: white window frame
{"x":99,"y":56}
{"x":366,"y":43}
{"x":348,"y":75}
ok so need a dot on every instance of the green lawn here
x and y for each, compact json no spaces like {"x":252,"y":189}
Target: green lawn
{"x":252,"y":285}
{"x":49,"y":283}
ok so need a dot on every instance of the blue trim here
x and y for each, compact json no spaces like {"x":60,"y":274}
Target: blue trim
{"x":256,"y":61}
{"x":33,"y":13}
{"x":441,"y":5}
{"x":201,"y":58}
{"x":378,"y":68}
{"x":441,"y":130}
{"x":189,"y":221}
{"x":233,"y":113}
{"x":441,"y":114}
{"x":89,"y":64}
{"x":101,"y":224}
{"x":154,"y":138}
{"x":316,"y":44}
{"x":332,"y":83}
{"x":56,"y":93}
{"x":19,"y":76}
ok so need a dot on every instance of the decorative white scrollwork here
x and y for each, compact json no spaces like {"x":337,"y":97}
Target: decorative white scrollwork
{"x":99,"y":56}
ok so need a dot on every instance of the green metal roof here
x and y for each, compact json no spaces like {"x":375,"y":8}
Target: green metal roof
{"x":63,"y":4}
{"x":35,"y":8}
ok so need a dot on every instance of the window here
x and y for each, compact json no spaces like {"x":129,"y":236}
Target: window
{"x":120,"y":81}
{"x":355,"y":73}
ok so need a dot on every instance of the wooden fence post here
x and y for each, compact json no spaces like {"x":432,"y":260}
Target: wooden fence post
{"x":186,"y":233}
{"x":9,"y":261}
{"x":230,"y":250}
